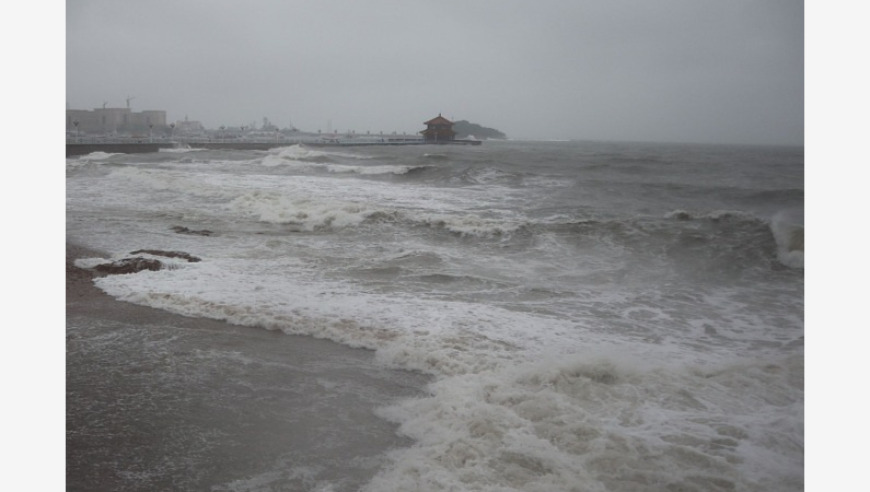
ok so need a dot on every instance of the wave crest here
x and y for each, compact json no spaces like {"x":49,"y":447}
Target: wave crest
{"x":789,"y":235}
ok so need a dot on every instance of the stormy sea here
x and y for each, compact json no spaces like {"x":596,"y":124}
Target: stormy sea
{"x":514,"y":316}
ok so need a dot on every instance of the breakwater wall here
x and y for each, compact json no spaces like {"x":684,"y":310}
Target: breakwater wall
{"x":74,"y":149}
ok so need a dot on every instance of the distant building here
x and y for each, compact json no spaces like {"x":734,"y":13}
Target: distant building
{"x":189,"y":127}
{"x":114,"y":120}
{"x":438,"y":129}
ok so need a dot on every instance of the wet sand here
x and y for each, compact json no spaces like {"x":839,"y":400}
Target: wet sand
{"x":157,"y":401}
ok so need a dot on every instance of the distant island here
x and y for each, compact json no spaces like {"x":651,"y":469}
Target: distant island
{"x":465,"y":129}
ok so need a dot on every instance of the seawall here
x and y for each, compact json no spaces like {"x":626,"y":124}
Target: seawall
{"x":112,"y":148}
{"x":74,"y":149}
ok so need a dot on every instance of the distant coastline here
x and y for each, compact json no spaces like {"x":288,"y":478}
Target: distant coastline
{"x":117,"y":135}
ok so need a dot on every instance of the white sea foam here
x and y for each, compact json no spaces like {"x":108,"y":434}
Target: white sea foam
{"x":314,"y":202}
{"x":370,"y":170}
{"x":180,"y":150}
{"x":275,"y":160}
{"x":295,"y":153}
{"x":520,"y":399}
{"x":471,"y":224}
{"x":302,"y":209}
{"x":594,"y":423}
{"x":94,"y":158}
{"x":411,"y":332}
{"x":788,"y":230}
{"x":145,"y":180}
{"x":97,"y":156}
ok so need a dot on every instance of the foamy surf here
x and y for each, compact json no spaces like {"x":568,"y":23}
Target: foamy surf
{"x":788,"y":229}
{"x":593,"y":318}
{"x":371,"y":170}
{"x":600,"y":424}
{"x":521,"y":400}
{"x":287,"y":155}
{"x":180,"y":150}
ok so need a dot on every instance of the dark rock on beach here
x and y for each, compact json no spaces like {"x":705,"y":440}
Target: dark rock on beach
{"x":185,"y":230}
{"x":129,"y":265}
{"x":139,"y":263}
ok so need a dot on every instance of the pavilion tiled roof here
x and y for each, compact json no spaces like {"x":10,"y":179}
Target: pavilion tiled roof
{"x":438,"y":120}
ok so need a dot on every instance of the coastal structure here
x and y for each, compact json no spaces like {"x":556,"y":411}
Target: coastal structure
{"x":438,"y":129}
{"x":187,"y":127}
{"x":114,"y":120}
{"x":119,"y":130}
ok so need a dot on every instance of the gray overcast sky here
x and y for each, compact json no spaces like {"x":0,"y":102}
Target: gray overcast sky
{"x":727,"y":71}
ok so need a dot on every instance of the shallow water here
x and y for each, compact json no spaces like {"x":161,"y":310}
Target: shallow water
{"x":155,"y":402}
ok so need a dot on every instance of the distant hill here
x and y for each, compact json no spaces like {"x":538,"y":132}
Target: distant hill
{"x":465,"y":129}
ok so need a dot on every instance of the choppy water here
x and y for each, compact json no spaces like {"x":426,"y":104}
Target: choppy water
{"x":597,"y":316}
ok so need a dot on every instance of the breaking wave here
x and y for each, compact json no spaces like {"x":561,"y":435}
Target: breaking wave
{"x":301,"y":153}
{"x":374,"y":170}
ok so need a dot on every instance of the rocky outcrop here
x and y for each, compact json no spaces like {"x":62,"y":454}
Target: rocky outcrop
{"x":129,"y":265}
{"x":139,"y":263}
{"x":466,"y":129}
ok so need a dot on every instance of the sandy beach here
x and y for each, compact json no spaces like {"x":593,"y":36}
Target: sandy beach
{"x":157,"y":401}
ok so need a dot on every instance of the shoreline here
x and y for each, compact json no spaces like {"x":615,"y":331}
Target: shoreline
{"x":157,"y":401}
